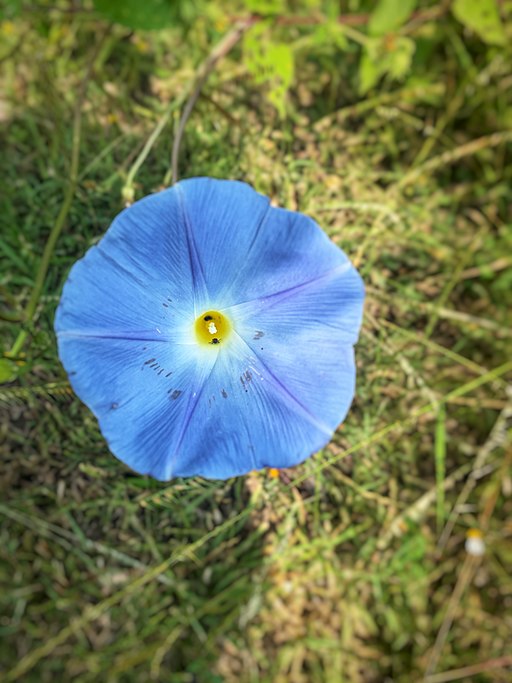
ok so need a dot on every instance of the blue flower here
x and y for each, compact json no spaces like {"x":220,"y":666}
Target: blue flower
{"x":212,"y":334}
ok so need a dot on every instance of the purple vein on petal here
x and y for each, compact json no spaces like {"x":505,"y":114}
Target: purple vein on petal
{"x":198,"y":276}
{"x":118,"y":266}
{"x":138,"y":336}
{"x":272,"y":299}
{"x":191,"y":408}
{"x":287,"y":394}
{"x":258,"y":228}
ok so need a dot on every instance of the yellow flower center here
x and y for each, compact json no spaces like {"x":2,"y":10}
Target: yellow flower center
{"x":212,"y":327}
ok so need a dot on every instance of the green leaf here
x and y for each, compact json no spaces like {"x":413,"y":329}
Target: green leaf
{"x":270,"y":64}
{"x":265,"y":7}
{"x":329,"y":34}
{"x":8,"y":370}
{"x":369,"y":72}
{"x":137,"y":14}
{"x":400,"y":58}
{"x":389,"y":15}
{"x":482,"y":17}
{"x":382,"y":57}
{"x":10,"y":9}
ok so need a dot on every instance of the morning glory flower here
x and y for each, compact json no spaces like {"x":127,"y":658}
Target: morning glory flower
{"x":212,"y":334}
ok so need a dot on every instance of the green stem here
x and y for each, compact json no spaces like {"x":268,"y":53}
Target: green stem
{"x":52,"y":238}
{"x":128,"y":190}
{"x":63,"y":213}
{"x":227,"y":43}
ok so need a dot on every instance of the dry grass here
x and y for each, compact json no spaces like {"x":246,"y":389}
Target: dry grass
{"x":351,"y":567}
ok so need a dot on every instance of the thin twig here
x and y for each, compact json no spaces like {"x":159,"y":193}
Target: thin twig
{"x":464,"y":579}
{"x":419,"y":508}
{"x":470,"y":671}
{"x":69,"y":541}
{"x":367,"y":495}
{"x":453,"y":281}
{"x":128,"y":190}
{"x":418,"y":17}
{"x":398,"y":425}
{"x":497,"y":437}
{"x":445,"y":313}
{"x":419,"y":338}
{"x":406,"y":366}
{"x":403,"y":95}
{"x":502,"y":263}
{"x":453,"y":155}
{"x":221,"y":50}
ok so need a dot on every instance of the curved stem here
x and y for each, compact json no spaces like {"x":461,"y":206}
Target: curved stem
{"x":219,"y":51}
{"x":63,"y":213}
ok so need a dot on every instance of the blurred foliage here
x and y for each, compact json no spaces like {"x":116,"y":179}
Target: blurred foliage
{"x":150,"y":14}
{"x":482,"y":17}
{"x":10,"y":9}
{"x":270,"y":64}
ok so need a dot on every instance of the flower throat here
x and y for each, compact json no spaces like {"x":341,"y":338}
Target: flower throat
{"x":212,"y":327}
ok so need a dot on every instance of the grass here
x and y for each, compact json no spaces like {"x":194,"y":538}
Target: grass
{"x":352,"y":567}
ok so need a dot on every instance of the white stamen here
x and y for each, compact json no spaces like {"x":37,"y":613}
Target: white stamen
{"x":211,"y":328}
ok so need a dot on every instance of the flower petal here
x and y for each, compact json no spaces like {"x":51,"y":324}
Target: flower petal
{"x":142,"y":393}
{"x":224,"y":218}
{"x":306,"y":335}
{"x":211,"y":415}
{"x":245,"y":419}
{"x":249,"y":249}
{"x":138,"y":279}
{"x":279,"y":384}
